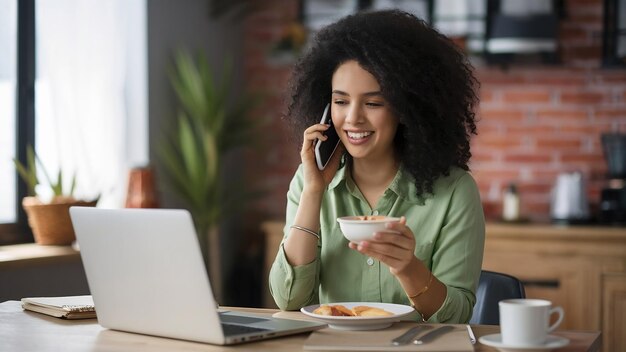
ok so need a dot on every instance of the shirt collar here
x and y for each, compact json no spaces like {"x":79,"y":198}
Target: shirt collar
{"x":340,"y":176}
{"x":403,"y":184}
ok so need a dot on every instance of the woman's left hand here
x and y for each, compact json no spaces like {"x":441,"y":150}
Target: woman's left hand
{"x":395,"y":247}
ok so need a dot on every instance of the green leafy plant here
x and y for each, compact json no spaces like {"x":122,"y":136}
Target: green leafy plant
{"x":49,"y":220}
{"x":28,"y":173}
{"x":209,"y":124}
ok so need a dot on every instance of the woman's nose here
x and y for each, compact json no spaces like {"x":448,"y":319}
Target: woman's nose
{"x":354,"y":115}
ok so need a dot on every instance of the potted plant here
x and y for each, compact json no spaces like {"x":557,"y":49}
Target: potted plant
{"x":49,"y":221}
{"x":209,"y":124}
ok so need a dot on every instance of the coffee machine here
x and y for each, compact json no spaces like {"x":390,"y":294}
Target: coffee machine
{"x":613,"y":195}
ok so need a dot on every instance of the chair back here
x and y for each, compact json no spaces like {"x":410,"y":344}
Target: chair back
{"x":492,"y":288}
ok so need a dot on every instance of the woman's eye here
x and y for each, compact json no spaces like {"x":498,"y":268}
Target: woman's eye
{"x":340,"y":102}
{"x":374,"y":104}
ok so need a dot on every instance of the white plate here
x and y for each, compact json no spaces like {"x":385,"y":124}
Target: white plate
{"x":361,"y":323}
{"x":495,"y":340}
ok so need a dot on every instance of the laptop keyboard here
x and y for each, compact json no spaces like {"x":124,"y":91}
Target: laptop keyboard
{"x":231,"y":329}
{"x":238,"y":319}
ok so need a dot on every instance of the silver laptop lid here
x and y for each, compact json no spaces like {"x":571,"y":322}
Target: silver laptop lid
{"x":146,"y":273}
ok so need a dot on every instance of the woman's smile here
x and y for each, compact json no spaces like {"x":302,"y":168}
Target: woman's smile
{"x":359,"y":137}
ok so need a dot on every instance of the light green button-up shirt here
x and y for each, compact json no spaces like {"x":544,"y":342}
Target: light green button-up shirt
{"x":449,"y":229}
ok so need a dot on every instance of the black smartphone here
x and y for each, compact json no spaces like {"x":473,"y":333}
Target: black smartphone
{"x":324,"y":149}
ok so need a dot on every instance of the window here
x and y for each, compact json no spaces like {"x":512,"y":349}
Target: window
{"x":614,"y":33}
{"x":8,"y":118}
{"x":495,"y":31}
{"x":86,"y":108}
{"x":463,"y":21}
{"x":16,"y":110}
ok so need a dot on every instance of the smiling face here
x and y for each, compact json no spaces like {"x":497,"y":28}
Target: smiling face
{"x":361,"y":115}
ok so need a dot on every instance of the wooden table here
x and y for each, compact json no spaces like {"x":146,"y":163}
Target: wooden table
{"x":27,"y":331}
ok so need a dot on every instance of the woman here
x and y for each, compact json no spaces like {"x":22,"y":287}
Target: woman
{"x":402,"y":98}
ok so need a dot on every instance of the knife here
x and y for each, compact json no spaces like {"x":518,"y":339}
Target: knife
{"x":472,"y":337}
{"x":433,"y":334}
{"x":408,"y":335}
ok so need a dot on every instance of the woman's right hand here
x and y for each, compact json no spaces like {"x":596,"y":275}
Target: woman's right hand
{"x":316,"y":180}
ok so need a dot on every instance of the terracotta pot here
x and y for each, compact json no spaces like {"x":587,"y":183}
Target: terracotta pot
{"x":51,"y":223}
{"x":141,"y":189}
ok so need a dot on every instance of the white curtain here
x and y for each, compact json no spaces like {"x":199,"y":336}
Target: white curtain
{"x":8,"y":84}
{"x":91,"y":110}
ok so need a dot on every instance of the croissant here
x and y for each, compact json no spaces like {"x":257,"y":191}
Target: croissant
{"x":335,"y":310}
{"x":360,"y":311}
{"x":365,"y":311}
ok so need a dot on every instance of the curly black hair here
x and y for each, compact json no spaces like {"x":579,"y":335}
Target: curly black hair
{"x":426,"y":79}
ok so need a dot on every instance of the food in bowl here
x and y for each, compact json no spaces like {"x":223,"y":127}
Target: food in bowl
{"x":362,"y":228}
{"x":339,"y":310}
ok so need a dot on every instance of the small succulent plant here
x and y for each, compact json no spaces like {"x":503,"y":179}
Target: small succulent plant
{"x":28,"y":173}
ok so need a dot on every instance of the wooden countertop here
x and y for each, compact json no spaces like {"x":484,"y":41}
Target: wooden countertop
{"x":537,"y":231}
{"x":31,"y":253}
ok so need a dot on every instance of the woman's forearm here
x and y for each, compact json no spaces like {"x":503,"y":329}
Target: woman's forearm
{"x":425,"y":291}
{"x":300,"y":246}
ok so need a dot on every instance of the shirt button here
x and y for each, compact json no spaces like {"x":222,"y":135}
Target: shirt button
{"x":375,"y":212}
{"x":370,"y":261}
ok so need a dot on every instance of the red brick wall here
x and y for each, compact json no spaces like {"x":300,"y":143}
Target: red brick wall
{"x":534,"y":121}
{"x":267,"y":74}
{"x":538,"y":122}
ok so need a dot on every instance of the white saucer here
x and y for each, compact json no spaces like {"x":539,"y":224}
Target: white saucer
{"x":495,"y":340}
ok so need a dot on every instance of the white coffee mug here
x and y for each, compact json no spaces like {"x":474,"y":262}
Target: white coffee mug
{"x":524,"y":322}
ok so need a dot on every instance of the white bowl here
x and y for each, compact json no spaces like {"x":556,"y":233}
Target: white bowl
{"x":362,"y":228}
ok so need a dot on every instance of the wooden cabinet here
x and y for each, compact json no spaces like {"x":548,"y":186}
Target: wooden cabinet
{"x":613,"y":317}
{"x":582,"y":269}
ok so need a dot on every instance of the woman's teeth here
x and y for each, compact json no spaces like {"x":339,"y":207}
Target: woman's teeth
{"x":358,"y":135}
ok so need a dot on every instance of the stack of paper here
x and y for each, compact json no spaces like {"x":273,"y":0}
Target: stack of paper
{"x":70,"y":307}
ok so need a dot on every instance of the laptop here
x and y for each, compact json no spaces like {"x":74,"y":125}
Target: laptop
{"x":146,"y":274}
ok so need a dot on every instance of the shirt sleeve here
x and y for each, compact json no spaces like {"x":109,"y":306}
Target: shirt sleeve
{"x":294,"y":287}
{"x":458,"y":255}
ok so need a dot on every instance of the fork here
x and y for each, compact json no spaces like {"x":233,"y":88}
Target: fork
{"x":433,"y":334}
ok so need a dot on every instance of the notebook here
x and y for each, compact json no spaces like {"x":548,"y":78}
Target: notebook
{"x":67,"y":307}
{"x":146,"y":274}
